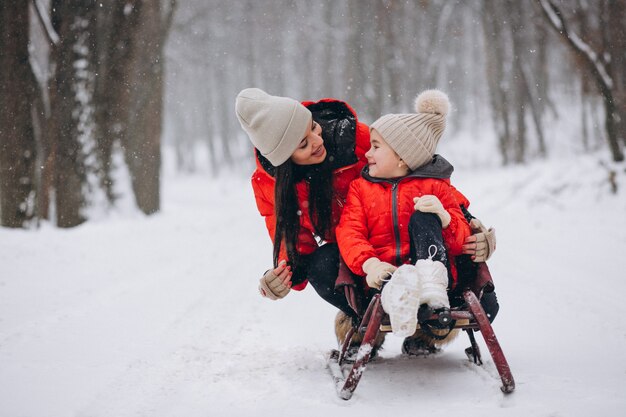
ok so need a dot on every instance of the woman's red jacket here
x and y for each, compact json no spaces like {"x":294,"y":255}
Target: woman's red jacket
{"x":263,"y":186}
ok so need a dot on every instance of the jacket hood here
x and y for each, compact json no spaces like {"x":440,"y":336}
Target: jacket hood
{"x":438,"y":167}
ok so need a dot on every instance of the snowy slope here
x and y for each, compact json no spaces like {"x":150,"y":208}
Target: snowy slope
{"x":160,"y":316}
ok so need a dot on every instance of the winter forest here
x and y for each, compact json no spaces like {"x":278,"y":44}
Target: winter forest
{"x":131,"y":246}
{"x":89,"y":87}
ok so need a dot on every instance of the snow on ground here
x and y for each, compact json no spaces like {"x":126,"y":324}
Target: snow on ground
{"x":160,"y":316}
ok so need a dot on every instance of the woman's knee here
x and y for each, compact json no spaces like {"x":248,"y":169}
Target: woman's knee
{"x":324,"y":265}
{"x":489,"y":302}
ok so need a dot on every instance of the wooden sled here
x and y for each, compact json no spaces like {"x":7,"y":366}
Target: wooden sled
{"x":470,"y":315}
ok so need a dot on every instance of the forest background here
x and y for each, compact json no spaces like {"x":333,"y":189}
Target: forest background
{"x":91,"y":93}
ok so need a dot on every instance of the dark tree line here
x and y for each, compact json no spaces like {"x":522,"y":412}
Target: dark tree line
{"x":17,"y":136}
{"x":101,"y":86}
{"x":87,"y":82}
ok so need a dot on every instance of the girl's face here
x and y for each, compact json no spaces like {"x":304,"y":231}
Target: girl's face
{"x":311,"y":149}
{"x":384,"y":162}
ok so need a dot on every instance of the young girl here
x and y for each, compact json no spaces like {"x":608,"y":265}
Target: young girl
{"x":403,"y":210}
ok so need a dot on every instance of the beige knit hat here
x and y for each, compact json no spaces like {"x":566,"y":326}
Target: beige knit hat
{"x":275,"y":125}
{"x":414,"y":137}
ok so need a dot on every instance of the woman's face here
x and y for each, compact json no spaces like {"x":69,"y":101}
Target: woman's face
{"x":384,"y":162}
{"x":311,"y":149}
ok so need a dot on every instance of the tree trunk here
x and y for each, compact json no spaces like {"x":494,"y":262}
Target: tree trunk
{"x":495,"y":57}
{"x":143,"y":142}
{"x":109,"y":124}
{"x":130,"y":95}
{"x":519,"y":85}
{"x":72,"y":106}
{"x":617,"y":47}
{"x":354,"y":80}
{"x":391,"y":54}
{"x":17,"y":138}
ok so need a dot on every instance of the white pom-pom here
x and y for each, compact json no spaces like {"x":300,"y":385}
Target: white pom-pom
{"x":432,"y":101}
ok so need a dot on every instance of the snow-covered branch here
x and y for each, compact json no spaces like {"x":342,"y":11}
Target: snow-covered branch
{"x":169,"y":18}
{"x":555,"y":17}
{"x":44,"y":19}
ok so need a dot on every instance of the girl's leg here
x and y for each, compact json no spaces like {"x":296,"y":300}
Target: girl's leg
{"x":424,"y":231}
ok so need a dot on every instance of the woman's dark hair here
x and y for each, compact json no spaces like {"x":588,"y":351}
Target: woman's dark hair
{"x":320,"y":182}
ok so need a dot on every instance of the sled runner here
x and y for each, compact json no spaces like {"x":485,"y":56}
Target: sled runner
{"x":469,"y":317}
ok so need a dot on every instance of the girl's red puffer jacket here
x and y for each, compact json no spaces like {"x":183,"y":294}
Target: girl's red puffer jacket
{"x":375,"y":220}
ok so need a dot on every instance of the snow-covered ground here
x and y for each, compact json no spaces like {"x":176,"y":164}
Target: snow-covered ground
{"x":160,"y":316}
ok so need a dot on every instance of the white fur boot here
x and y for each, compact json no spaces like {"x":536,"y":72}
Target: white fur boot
{"x":401,"y":299}
{"x":433,"y":278}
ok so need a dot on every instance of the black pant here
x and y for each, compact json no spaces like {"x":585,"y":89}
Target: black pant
{"x":321,"y":269}
{"x":322,"y":266}
{"x":425,"y":229}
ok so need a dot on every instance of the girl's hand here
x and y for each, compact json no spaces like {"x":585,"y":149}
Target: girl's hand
{"x":377,"y":272}
{"x":431,"y":204}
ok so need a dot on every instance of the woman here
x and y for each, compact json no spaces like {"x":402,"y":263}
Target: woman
{"x":307,"y":154}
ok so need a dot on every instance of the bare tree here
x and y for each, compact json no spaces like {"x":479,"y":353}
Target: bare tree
{"x":17,"y":139}
{"x":605,"y":66}
{"x":495,"y":51}
{"x":71,"y":96}
{"x":129,"y":93}
{"x":514,"y":78}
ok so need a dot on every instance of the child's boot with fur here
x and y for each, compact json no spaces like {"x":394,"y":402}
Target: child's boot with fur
{"x":433,"y":279}
{"x":401,"y":299}
{"x":343,"y":324}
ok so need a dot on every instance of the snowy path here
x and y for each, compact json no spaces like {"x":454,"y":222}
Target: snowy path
{"x":160,"y":316}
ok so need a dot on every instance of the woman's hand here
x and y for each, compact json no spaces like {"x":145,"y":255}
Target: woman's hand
{"x":431,"y":204}
{"x":276,"y":283}
{"x":482,"y":243}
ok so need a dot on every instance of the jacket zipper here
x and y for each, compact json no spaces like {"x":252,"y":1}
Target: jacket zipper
{"x":394,"y":217}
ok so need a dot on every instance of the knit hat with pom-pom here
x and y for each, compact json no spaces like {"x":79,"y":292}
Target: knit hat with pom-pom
{"x":414,"y":137}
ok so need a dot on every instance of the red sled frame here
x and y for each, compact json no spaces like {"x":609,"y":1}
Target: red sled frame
{"x":371,"y":325}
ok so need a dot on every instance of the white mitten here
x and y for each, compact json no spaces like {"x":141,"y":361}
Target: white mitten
{"x":377,"y":271}
{"x":431,"y":204}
